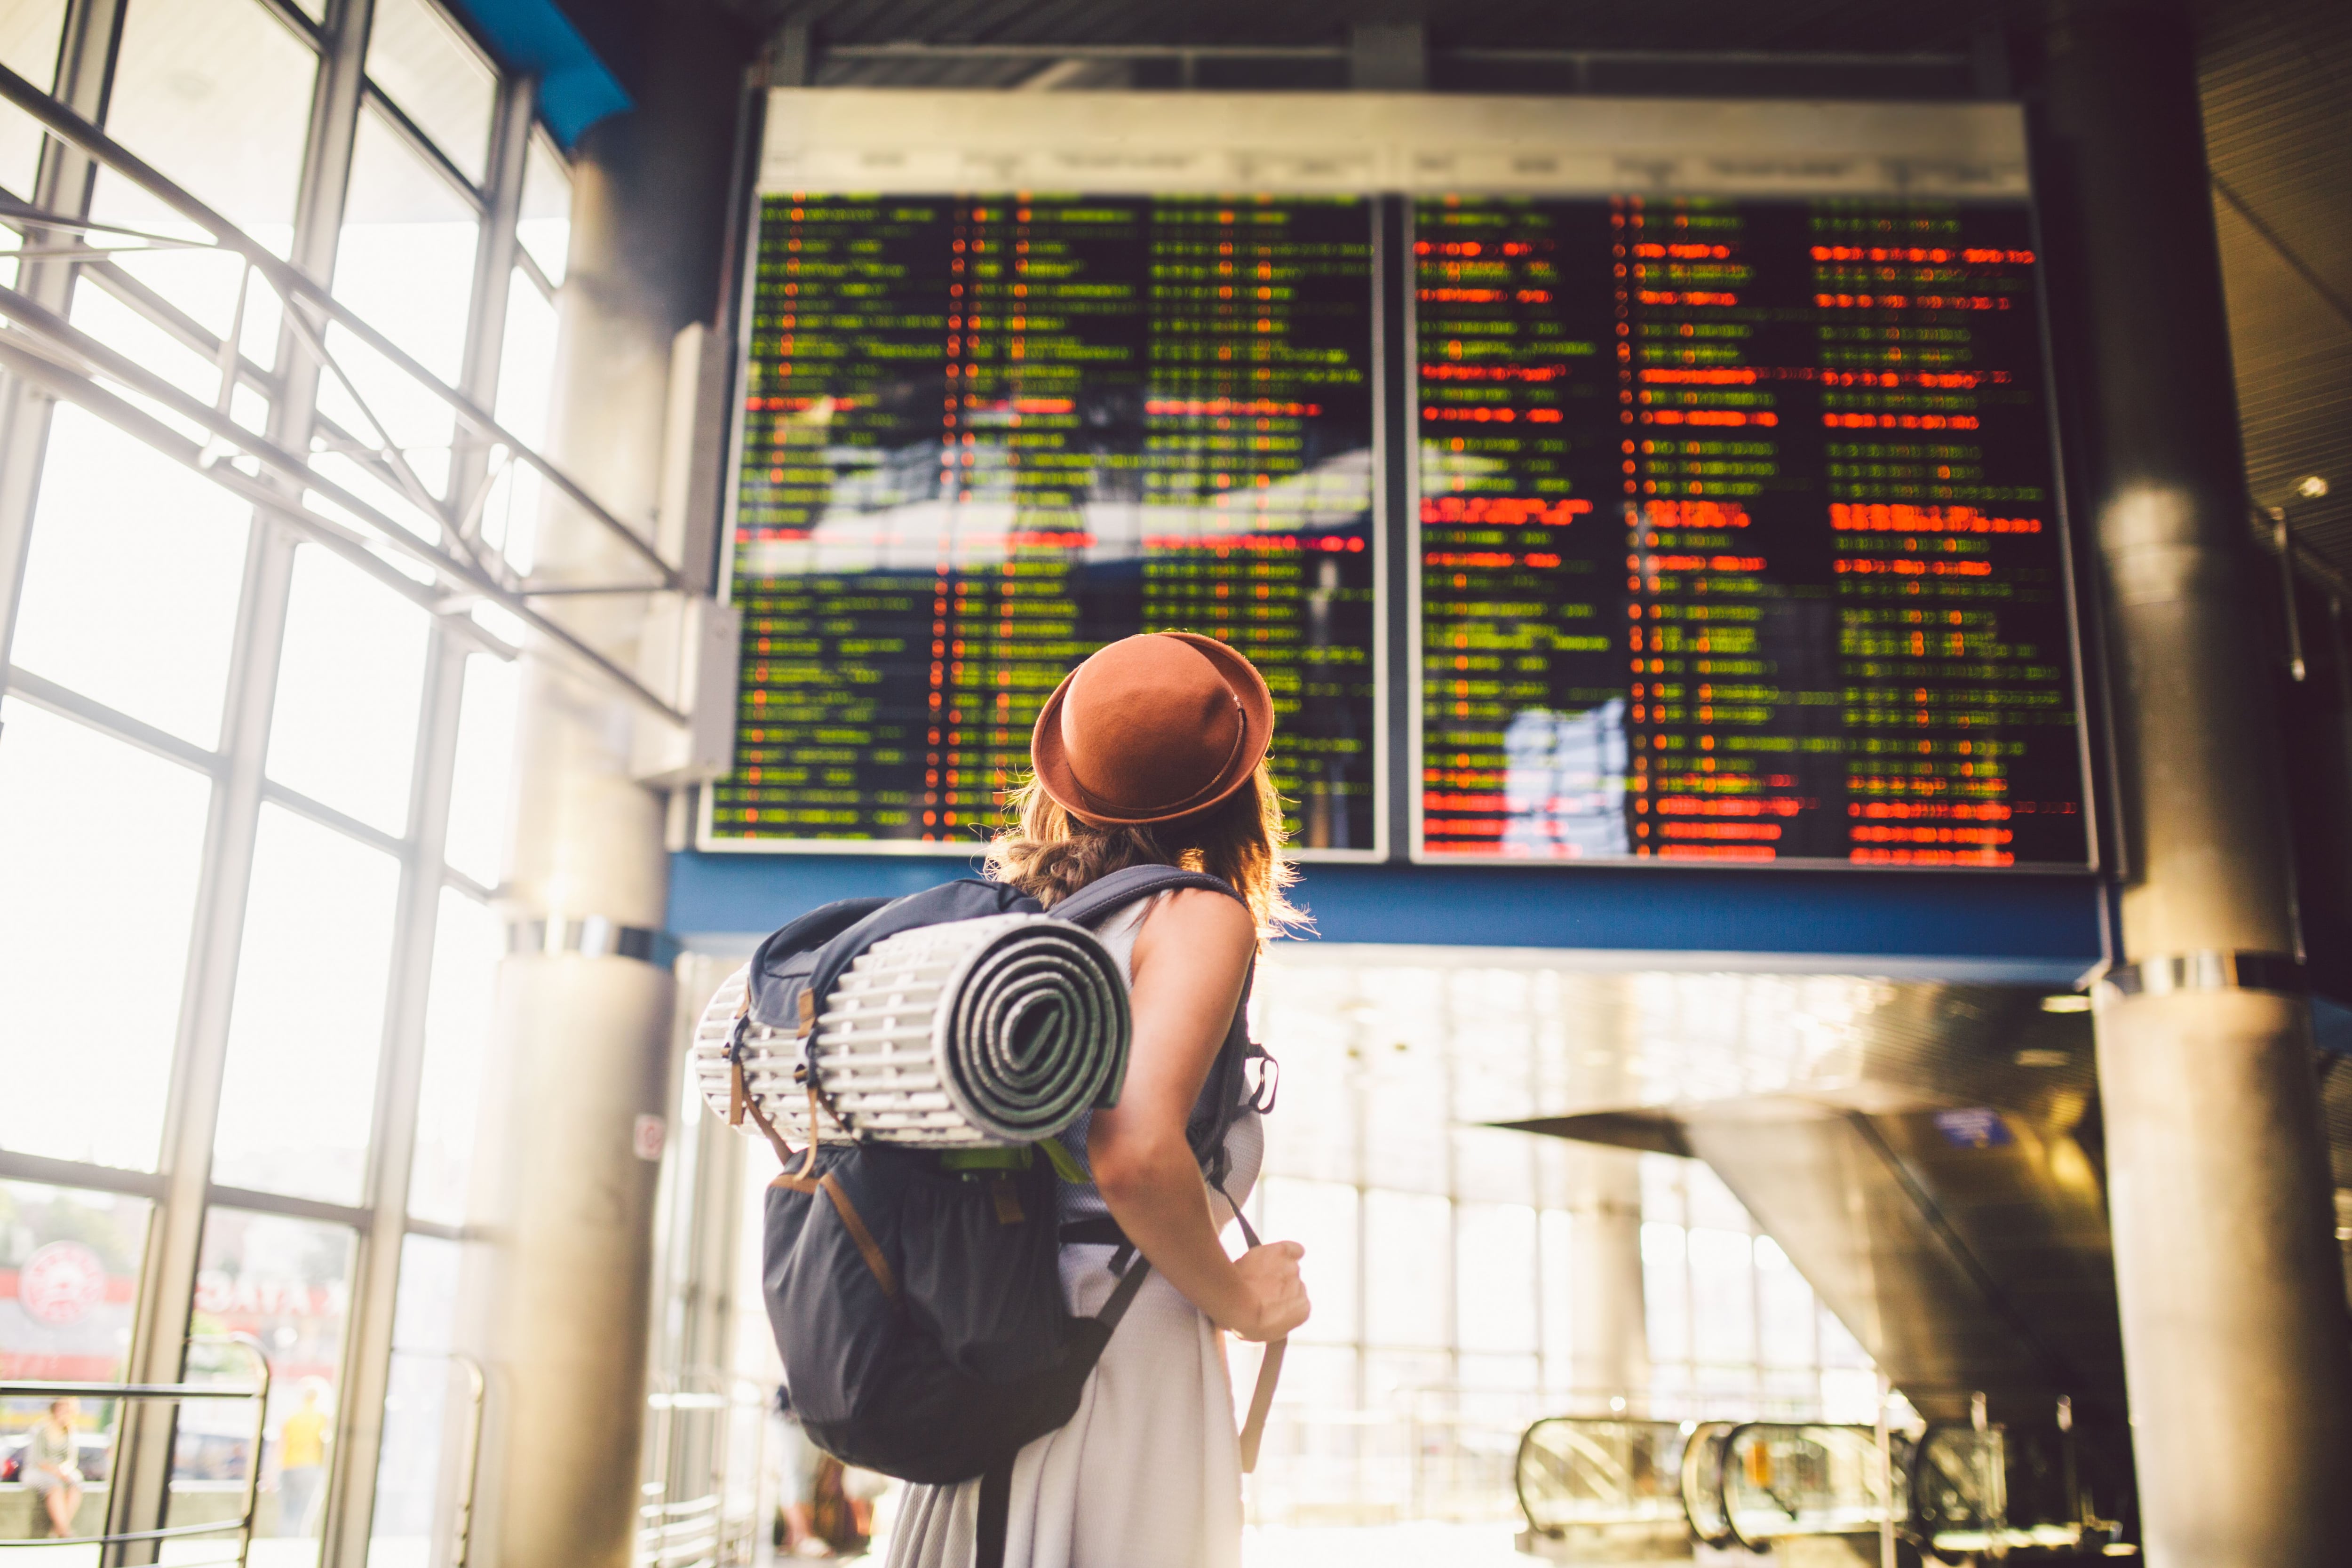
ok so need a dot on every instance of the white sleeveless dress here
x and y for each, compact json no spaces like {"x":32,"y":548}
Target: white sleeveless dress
{"x":1147,"y":1473}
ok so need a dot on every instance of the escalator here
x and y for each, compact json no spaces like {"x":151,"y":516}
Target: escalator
{"x":1929,"y":1156}
{"x":1610,"y":1492}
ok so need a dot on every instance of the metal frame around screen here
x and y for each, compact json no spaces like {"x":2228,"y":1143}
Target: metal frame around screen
{"x":1383,"y":741}
{"x":1386,"y":148}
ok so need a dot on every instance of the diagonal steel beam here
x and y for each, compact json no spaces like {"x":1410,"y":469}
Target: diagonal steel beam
{"x":61,"y":381}
{"x":292,"y":284}
{"x":72,"y":385}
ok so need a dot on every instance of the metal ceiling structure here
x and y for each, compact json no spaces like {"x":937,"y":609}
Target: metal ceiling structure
{"x":2276,"y":79}
{"x":2277,"y":84}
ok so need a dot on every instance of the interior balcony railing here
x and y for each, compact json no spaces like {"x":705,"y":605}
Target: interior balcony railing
{"x":201,"y":1509}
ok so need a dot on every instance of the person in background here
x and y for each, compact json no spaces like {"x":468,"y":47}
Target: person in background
{"x":796,"y":1500}
{"x":50,"y":1464}
{"x":301,"y":1461}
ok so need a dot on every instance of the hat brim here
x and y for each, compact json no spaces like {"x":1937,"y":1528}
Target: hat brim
{"x":1051,"y":763}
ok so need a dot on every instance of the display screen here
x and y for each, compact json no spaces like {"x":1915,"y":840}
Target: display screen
{"x":1738,"y":535}
{"x":983,"y":436}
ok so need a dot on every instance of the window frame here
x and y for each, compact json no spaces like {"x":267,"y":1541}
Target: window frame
{"x":180,"y":1187}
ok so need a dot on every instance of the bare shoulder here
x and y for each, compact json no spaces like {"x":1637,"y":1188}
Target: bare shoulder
{"x":1208,"y":929}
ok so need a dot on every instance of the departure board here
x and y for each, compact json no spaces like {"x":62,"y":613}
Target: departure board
{"x":1738,"y":535}
{"x":985,"y":434}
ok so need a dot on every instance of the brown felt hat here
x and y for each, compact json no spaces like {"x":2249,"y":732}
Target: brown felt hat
{"x":1152,"y":728}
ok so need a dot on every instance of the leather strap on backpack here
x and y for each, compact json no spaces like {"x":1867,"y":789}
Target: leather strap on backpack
{"x":805,"y":1180}
{"x":1105,"y":1232}
{"x":1269,"y":1366}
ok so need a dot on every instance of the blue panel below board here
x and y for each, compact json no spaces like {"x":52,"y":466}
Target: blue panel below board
{"x":2031,"y":929}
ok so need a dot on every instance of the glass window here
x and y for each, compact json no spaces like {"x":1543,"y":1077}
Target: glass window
{"x":404,"y":264}
{"x":350,"y":683}
{"x":217,"y":95}
{"x":1404,"y":1114}
{"x":1407,"y":1238}
{"x":287,"y":1282}
{"x":468,"y":941}
{"x":1320,"y":1216}
{"x":437,"y":75}
{"x":527,"y":362}
{"x":428,"y":1407}
{"x":30,"y":31}
{"x":1495,"y":1275}
{"x":1785,"y":1308}
{"x":69,"y":1283}
{"x":526,"y":378}
{"x":1723,"y":1297}
{"x":69,"y":1280}
{"x":100,"y":846}
{"x":307,"y":1021}
{"x":545,"y":225}
{"x":404,"y":260}
{"x":131,"y":578}
{"x":1393,"y":1377}
{"x":481,"y":793}
{"x":204,"y":284}
{"x":1665,"y":1293}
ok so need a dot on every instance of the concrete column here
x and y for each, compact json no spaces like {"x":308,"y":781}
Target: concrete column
{"x":2235,"y":1344}
{"x":1608,"y":1315}
{"x":1608,"y":1324}
{"x":582,"y":1036}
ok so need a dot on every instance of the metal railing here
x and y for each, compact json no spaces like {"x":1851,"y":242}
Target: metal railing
{"x":46,"y":350}
{"x":685,"y":1517}
{"x":258,"y":1393}
{"x":464,"y":1470}
{"x":461,"y":1531}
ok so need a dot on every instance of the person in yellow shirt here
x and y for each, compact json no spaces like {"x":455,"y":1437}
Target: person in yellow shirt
{"x":302,"y":1442}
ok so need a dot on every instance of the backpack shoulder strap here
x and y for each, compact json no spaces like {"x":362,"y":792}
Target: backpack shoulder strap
{"x":1106,"y":896}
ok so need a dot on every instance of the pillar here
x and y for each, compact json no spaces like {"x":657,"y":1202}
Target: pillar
{"x":581,"y":1040}
{"x":2234,"y":1332}
{"x":1607,"y":1326}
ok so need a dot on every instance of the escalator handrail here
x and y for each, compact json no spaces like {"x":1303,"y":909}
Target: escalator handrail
{"x":1693,"y":1457}
{"x":1731,"y":1520}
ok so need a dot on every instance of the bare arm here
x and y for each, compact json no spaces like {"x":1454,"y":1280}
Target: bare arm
{"x":1191,"y":959}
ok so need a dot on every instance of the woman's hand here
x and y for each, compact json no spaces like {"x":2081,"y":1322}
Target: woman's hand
{"x":1191,"y":959}
{"x":1272,"y":1297}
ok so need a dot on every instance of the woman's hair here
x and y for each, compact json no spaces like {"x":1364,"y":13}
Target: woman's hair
{"x":1049,"y":854}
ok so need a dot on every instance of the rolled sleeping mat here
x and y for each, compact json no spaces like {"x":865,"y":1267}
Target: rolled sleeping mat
{"x":994,"y":1031}
{"x":772,"y":1059}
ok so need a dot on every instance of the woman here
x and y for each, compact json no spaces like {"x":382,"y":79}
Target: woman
{"x":1151,"y":751}
{"x":50,"y":1464}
